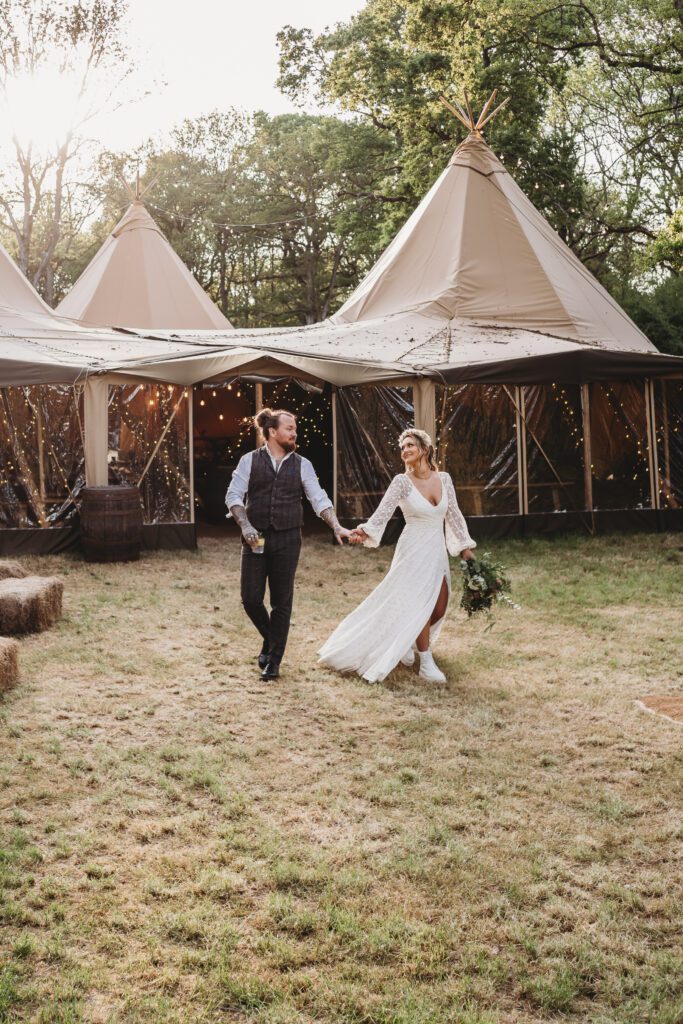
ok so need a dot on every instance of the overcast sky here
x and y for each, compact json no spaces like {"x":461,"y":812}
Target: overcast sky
{"x":204,"y":54}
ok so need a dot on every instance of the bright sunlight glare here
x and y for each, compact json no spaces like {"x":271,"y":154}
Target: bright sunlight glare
{"x":39,"y":109}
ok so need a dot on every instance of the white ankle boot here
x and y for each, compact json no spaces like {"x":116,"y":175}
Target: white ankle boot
{"x":429,"y":670}
{"x":409,"y":657}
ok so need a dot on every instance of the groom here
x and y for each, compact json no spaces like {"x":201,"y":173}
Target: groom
{"x":265,"y":497}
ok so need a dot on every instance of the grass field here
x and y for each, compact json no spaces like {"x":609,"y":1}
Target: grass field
{"x":180,"y":842}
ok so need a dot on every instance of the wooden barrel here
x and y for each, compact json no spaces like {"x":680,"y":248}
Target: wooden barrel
{"x":111,"y":523}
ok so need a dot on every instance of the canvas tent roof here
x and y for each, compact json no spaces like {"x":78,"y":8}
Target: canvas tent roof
{"x":413,"y":314}
{"x":405,"y":345}
{"x":477,"y":252}
{"x":39,"y":347}
{"x":16,"y":291}
{"x":137,"y":280}
{"x":475,"y":287}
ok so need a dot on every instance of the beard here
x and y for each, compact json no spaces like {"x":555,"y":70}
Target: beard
{"x":289,"y":446}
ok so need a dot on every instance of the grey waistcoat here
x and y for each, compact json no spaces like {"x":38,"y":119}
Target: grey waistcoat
{"x":275,"y":499}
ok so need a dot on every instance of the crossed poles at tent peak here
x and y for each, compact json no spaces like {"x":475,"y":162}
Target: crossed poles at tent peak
{"x":467,"y":117}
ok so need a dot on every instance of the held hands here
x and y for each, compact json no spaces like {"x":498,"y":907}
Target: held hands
{"x":340,"y":533}
{"x":357,"y":536}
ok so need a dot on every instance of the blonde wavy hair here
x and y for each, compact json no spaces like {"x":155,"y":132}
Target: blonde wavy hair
{"x":424,"y":443}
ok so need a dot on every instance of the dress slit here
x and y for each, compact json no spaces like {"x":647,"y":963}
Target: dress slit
{"x":373,"y":638}
{"x":433,"y":625}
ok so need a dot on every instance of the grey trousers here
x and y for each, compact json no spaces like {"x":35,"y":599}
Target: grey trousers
{"x":276,"y":567}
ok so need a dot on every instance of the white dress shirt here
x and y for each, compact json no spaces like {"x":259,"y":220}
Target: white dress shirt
{"x":239,"y":485}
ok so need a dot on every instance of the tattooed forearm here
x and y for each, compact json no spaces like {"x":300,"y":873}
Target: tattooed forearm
{"x":239,"y":514}
{"x":328,"y":516}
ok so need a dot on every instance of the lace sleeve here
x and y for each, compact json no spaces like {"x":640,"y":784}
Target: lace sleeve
{"x":397,"y":490}
{"x":457,"y":534}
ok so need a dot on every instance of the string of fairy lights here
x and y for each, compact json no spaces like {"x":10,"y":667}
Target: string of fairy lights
{"x":570,"y":414}
{"x":24,"y":435}
{"x":630,"y":432}
{"x":311,"y":411}
{"x":669,"y":427}
{"x":165,"y":486}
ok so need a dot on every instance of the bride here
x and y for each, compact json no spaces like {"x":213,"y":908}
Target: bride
{"x":407,"y":608}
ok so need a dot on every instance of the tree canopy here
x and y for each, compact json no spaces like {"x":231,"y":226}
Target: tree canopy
{"x":279,"y":217}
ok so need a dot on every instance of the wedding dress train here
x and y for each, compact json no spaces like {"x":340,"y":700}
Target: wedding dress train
{"x":372,"y":639}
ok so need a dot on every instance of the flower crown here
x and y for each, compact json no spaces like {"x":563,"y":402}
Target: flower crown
{"x":422,"y":435}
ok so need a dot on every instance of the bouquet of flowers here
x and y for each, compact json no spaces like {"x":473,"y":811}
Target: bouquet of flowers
{"x":485,"y":583}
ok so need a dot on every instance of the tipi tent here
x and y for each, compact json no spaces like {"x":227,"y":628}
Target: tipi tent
{"x":477,"y":253}
{"x":546,"y":400}
{"x":545,"y":396}
{"x":137,"y":280}
{"x":561,"y":412}
{"x":16,"y":292}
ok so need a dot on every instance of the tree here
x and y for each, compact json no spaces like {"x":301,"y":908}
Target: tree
{"x":277,"y":218}
{"x":392,"y":61}
{"x":60,"y":63}
{"x":592,"y":130}
{"x":319,"y":184}
{"x":666,"y":250}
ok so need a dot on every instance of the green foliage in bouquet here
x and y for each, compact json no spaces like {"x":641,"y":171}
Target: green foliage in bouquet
{"x":485,"y":583}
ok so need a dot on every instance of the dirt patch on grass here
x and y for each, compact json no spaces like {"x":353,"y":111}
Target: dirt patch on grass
{"x":670,"y":706}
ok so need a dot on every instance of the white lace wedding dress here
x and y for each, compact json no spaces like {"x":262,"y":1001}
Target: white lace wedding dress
{"x":373,"y":638}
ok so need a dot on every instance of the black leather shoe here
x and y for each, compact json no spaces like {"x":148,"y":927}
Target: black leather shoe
{"x":263,"y":656}
{"x":271,"y":670}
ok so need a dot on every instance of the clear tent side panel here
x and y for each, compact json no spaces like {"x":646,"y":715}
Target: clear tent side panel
{"x":669,"y":428}
{"x":312,"y":407}
{"x":42,"y":462}
{"x":619,"y":445}
{"x":149,"y":447}
{"x":477,"y":445}
{"x":370,"y":419}
{"x":223,"y":433}
{"x":554,"y":447}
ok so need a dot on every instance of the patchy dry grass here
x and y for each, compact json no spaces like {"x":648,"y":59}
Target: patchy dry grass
{"x":180,"y":842}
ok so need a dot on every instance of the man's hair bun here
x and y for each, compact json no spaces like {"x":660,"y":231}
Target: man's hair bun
{"x":262,"y":417}
{"x":269,"y":419}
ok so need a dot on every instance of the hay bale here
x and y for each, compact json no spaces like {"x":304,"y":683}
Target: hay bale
{"x":30,"y":605}
{"x":11,"y":570}
{"x":9,"y":664}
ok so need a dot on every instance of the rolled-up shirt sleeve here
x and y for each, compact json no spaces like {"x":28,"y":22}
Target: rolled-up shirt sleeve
{"x":312,"y":489}
{"x":239,"y":484}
